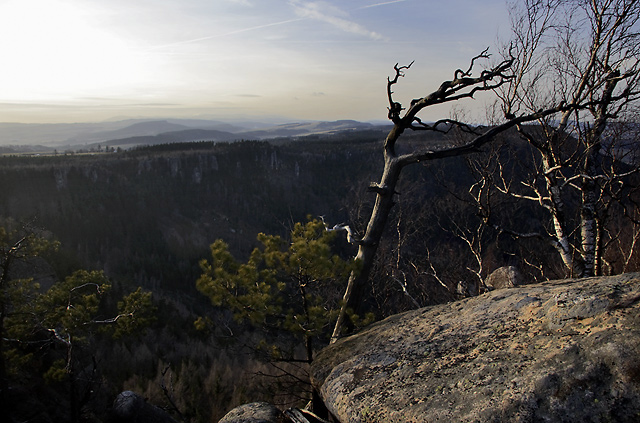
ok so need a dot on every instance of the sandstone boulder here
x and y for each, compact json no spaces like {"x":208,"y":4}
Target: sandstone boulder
{"x":504,"y":277}
{"x":255,"y":412}
{"x":130,"y":407}
{"x":561,"y":351}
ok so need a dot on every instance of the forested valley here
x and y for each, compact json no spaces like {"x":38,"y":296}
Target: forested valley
{"x":146,"y":217}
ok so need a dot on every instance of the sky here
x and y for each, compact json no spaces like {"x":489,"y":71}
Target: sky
{"x":94,"y":60}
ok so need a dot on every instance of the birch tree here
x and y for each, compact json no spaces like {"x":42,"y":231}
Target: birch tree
{"x":582,"y":53}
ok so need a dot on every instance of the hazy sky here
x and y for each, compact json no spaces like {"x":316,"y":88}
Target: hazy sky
{"x":89,"y":60}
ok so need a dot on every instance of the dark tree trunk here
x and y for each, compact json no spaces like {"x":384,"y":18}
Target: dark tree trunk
{"x":369,"y":244}
{"x":462,"y":86}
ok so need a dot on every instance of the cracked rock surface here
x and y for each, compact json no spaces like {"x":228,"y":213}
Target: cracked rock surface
{"x":559,"y":351}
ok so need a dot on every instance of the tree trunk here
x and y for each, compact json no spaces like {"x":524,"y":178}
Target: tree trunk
{"x":73,"y":388}
{"x":4,"y":278}
{"x":563,"y":244}
{"x":588,"y":228}
{"x":369,"y":243}
{"x":597,"y":269}
{"x":588,"y":213}
{"x":308,"y":340}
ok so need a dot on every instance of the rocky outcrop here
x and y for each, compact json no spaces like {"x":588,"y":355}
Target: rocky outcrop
{"x":560,"y":351}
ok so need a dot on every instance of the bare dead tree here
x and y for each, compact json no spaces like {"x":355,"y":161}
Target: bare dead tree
{"x":463,"y":85}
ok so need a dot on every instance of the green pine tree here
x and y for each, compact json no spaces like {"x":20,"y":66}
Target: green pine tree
{"x":289,"y":286}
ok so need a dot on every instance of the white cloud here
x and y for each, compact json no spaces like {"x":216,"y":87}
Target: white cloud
{"x":382,"y":4}
{"x":241,"y":2}
{"x":324,"y":12}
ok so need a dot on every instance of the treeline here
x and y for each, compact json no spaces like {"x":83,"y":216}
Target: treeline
{"x":148,"y":215}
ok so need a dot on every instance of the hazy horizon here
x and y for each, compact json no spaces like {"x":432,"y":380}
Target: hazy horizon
{"x":267,"y":120}
{"x":73,"y":61}
{"x":78,"y":135}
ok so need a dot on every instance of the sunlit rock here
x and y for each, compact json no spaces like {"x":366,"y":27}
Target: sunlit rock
{"x":560,"y":351}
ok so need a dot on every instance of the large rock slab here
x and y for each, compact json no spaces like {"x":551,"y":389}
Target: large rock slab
{"x":561,"y":351}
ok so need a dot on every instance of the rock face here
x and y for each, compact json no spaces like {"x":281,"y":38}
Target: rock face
{"x":561,"y":351}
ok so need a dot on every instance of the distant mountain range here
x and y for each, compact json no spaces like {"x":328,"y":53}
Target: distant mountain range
{"x":129,"y":133}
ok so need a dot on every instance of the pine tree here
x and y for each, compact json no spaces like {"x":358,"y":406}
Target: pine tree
{"x":291,"y":287}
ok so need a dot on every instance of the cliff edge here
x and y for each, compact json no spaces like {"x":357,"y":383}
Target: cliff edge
{"x":559,"y":351}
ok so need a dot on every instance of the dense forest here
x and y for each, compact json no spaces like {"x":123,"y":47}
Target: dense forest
{"x":146,"y":218}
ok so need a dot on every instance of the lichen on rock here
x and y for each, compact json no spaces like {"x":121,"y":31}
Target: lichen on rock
{"x":557,"y":351}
